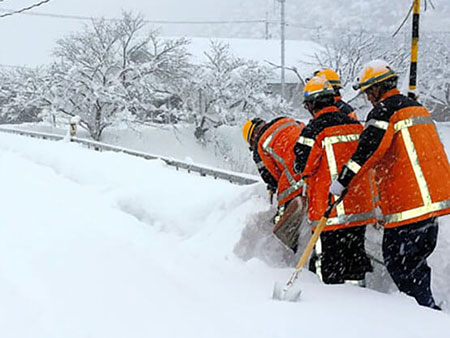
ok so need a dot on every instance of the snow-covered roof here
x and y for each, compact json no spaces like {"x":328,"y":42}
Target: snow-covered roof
{"x":298,"y":53}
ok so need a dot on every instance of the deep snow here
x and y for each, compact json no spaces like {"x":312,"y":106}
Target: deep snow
{"x":107,"y":245}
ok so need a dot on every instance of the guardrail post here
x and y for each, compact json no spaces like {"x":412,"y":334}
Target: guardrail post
{"x":73,"y":125}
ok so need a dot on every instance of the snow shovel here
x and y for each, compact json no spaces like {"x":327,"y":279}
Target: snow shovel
{"x":286,"y":229}
{"x":290,"y":291}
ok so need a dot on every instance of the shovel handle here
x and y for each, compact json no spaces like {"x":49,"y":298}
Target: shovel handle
{"x":318,"y":230}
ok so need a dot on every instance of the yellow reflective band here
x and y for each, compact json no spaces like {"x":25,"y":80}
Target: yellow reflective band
{"x":347,"y":219}
{"x":331,"y":158}
{"x":353,"y":166}
{"x":306,"y":141}
{"x":377,"y":123}
{"x":412,"y":213}
{"x":340,"y":138}
{"x":331,"y":161}
{"x":286,"y":171}
{"x":271,"y":136}
{"x":266,"y":143}
{"x":293,"y":183}
{"x":414,"y":159}
{"x":279,"y":159}
{"x":260,"y":165}
{"x":412,"y":122}
{"x":290,"y":190}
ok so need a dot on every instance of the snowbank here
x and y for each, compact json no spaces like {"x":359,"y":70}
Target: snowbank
{"x":106,"y":245}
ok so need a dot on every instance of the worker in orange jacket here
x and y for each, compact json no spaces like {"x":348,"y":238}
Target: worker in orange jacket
{"x":271,"y":144}
{"x":345,"y":108}
{"x":335,"y":81}
{"x":412,"y":173}
{"x":323,"y":147}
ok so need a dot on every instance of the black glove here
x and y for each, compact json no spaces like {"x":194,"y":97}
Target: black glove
{"x":272,"y":191}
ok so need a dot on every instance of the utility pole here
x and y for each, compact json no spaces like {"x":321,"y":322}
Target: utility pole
{"x":414,"y":48}
{"x":283,"y":26}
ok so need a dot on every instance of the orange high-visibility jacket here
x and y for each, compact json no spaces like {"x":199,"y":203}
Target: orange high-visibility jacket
{"x":324,"y":146}
{"x":344,"y":107}
{"x":275,"y":145}
{"x":411,"y":168}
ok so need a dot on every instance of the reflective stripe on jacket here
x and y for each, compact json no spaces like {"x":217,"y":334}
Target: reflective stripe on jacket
{"x":275,"y":146}
{"x":324,"y":146}
{"x":411,"y":167}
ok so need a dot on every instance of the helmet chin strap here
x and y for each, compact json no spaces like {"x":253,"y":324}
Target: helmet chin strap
{"x":376,"y":96}
{"x":255,"y":133}
{"x":309,"y":107}
{"x":379,"y":95}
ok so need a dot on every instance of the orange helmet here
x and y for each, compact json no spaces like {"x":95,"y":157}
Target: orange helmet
{"x":331,"y":76}
{"x":374,"y":72}
{"x":316,"y":87}
{"x":249,"y":127}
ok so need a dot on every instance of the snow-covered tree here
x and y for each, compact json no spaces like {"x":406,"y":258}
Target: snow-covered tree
{"x":434,"y":75}
{"x":347,"y":53}
{"x":114,"y":71}
{"x":159,"y":79}
{"x":232,"y":89}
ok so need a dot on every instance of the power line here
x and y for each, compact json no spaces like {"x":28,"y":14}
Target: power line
{"x":302,"y":26}
{"x":165,"y":22}
{"x":86,"y":18}
{"x":19,"y":11}
{"x":205,"y":22}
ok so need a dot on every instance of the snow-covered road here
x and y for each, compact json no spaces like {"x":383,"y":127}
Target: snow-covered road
{"x":107,"y":245}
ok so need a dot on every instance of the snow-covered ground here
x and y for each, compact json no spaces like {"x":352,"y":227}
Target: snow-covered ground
{"x":107,"y":245}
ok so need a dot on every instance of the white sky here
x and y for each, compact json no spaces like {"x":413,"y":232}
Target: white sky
{"x":28,"y":40}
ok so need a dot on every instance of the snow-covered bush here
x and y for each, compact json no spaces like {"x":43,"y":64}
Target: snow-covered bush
{"x":434,"y":74}
{"x":20,"y":95}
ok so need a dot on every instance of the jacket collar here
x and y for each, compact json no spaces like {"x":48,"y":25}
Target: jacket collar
{"x":390,"y":93}
{"x":329,"y":109}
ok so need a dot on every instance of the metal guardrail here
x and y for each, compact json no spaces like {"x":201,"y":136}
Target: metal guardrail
{"x":98,"y":146}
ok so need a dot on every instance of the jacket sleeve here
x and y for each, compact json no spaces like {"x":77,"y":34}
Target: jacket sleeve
{"x":267,"y":177}
{"x":303,"y":149}
{"x":374,"y":141}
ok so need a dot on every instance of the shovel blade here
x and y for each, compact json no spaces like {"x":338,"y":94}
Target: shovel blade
{"x":286,"y":292}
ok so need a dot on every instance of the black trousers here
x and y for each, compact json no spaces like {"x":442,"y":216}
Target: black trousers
{"x":405,"y":250}
{"x":343,"y":255}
